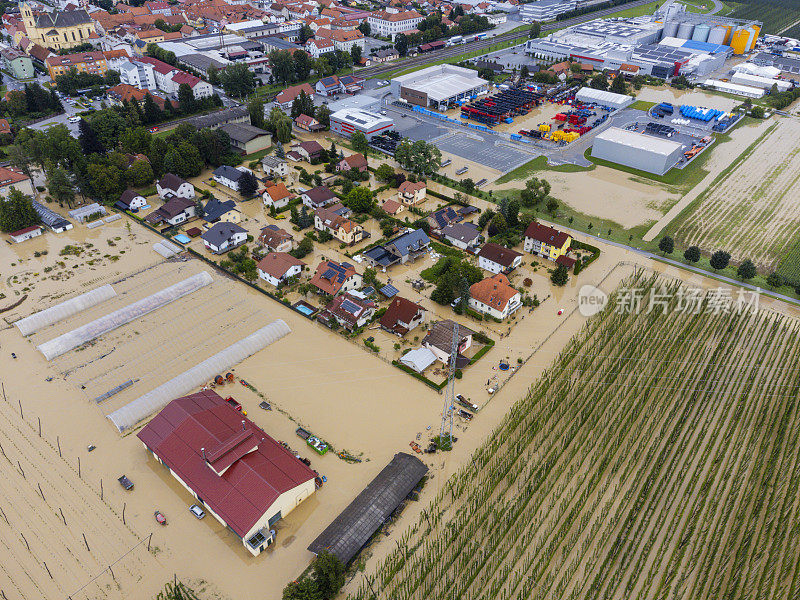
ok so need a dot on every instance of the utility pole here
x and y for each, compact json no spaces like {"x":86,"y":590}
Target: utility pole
{"x":449,"y":395}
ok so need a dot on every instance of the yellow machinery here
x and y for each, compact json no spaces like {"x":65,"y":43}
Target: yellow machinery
{"x":544,"y":128}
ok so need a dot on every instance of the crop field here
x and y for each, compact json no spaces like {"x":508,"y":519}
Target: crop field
{"x":751,"y":210}
{"x":776,"y":15}
{"x":656,"y":459}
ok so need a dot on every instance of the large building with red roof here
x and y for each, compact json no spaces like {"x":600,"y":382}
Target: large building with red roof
{"x":239,"y":474}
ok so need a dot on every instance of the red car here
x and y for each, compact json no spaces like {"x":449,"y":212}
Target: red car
{"x":160,"y":518}
{"x":153,"y":129}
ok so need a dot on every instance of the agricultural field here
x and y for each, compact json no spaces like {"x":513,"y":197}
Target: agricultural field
{"x":776,"y":15}
{"x":656,"y":458}
{"x":750,"y":210}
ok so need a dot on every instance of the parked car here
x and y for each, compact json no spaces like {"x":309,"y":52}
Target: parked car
{"x":74,"y":119}
{"x":153,"y":129}
{"x":197,"y":511}
{"x":125,"y":482}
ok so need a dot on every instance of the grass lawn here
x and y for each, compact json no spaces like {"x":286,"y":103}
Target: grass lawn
{"x":637,"y":11}
{"x":643,"y":105}
{"x":257,"y":155}
{"x":539,"y":164}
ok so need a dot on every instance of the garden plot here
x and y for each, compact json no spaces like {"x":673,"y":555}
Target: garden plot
{"x":656,"y":458}
{"x":751,"y":211}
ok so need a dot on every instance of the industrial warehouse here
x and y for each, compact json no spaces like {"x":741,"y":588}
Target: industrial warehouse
{"x":637,"y":150}
{"x":675,"y":43}
{"x":438,"y":86}
{"x":347,"y":121}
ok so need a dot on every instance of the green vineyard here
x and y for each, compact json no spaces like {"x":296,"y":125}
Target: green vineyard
{"x":657,"y":458}
{"x":776,"y":15}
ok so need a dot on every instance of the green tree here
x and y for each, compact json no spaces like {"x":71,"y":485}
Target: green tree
{"x":302,"y":66}
{"x":599,"y":82}
{"x":560,"y":276}
{"x":355,"y":52}
{"x":328,"y":574}
{"x":109,"y":125}
{"x":90,"y":142}
{"x":497,"y":225}
{"x":666,"y":245}
{"x":284,"y":131}
{"x":401,"y":44}
{"x":757,"y":112}
{"x":135,"y":141}
{"x":618,"y":85}
{"x":213,"y":75}
{"x":360,"y":199}
{"x":720,"y":259}
{"x":248,"y":185}
{"x":152,"y":114}
{"x":59,"y":186}
{"x":306,"y":33}
{"x":365,"y":29}
{"x":692,"y":254}
{"x":106,"y":181}
{"x":237,"y":80}
{"x":17,"y":212}
{"x":746,"y":270}
{"x":303,"y":105}
{"x":256,"y":108}
{"x":359,"y":142}
{"x":323,"y":115}
{"x":186,"y":99}
{"x":775,"y":280}
{"x":304,"y":589}
{"x":282,"y":65}
{"x":419,"y":157}
{"x":139,"y":174}
{"x":385,"y":173}
{"x":535,"y":31}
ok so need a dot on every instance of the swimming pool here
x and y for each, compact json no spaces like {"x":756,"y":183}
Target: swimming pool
{"x":182,"y":238}
{"x":306,"y":310}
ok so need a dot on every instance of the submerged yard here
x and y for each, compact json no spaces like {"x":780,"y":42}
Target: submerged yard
{"x":656,"y":458}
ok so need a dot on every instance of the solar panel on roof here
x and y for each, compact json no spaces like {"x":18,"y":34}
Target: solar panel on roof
{"x":389,"y":291}
{"x":347,"y":265}
{"x":350,"y":307}
{"x":328,"y":274}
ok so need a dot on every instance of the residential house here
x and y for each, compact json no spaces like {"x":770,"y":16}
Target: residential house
{"x":355,"y":161}
{"x":384,"y":55}
{"x":162,"y":73}
{"x":495,"y":297}
{"x":223,"y":237}
{"x":274,"y":166}
{"x":176,"y":210}
{"x":389,"y":24}
{"x":333,"y":278}
{"x":275,"y":239}
{"x":318,"y":197}
{"x":328,"y":86}
{"x":287,"y":96}
{"x":138,"y":75}
{"x":546,"y":242}
{"x":277,"y":267}
{"x":229,"y":176}
{"x":131,"y":200}
{"x":216,"y":211}
{"x":411,"y":193}
{"x":277,"y":195}
{"x":402,"y":316}
{"x":319,"y":46}
{"x":443,"y":217}
{"x":14,"y":179}
{"x":393,"y":207}
{"x":350,"y":84}
{"x":239,"y":474}
{"x":124,"y":92}
{"x":340,"y":227}
{"x":498,"y":259}
{"x":351,"y":312}
{"x":439,"y":340}
{"x":309,"y":151}
{"x":93,"y":63}
{"x":17,"y":63}
{"x":25,"y":234}
{"x":247,"y":139}
{"x":200,"y":89}
{"x":159,"y":8}
{"x":466,"y":236}
{"x":406,"y":247}
{"x":344,"y":40}
{"x":307,"y":123}
{"x":172,"y":186}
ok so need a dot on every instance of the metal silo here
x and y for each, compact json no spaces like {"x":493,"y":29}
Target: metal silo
{"x":700,"y":33}
{"x":757,"y":31}
{"x":685,"y":31}
{"x":739,"y":41}
{"x":751,"y":38}
{"x":717,"y":35}
{"x":671,"y":29}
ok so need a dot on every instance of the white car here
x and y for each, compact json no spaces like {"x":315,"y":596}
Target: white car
{"x":197,"y":511}
{"x":74,"y":119}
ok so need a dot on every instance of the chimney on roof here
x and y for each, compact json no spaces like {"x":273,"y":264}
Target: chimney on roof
{"x":203,"y":452}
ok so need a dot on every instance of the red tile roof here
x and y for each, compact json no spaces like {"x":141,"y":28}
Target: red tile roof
{"x":11,"y":176}
{"x":493,"y":291}
{"x":548,"y":235}
{"x":290,"y":93}
{"x":158,"y":65}
{"x":400,"y":310}
{"x":498,"y":254}
{"x":244,"y":470}
{"x":277,"y":264}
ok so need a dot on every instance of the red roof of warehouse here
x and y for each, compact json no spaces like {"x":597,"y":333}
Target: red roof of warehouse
{"x":255,"y":468}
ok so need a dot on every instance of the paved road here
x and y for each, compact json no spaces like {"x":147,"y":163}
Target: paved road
{"x":453,"y":51}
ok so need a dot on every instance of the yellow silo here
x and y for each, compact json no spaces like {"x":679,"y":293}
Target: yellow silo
{"x":757,"y":30}
{"x":728,"y":34}
{"x":739,"y":41}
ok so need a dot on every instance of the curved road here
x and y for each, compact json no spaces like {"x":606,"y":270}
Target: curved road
{"x":460,"y":49}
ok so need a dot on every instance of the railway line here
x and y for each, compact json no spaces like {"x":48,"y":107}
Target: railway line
{"x":458,"y":50}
